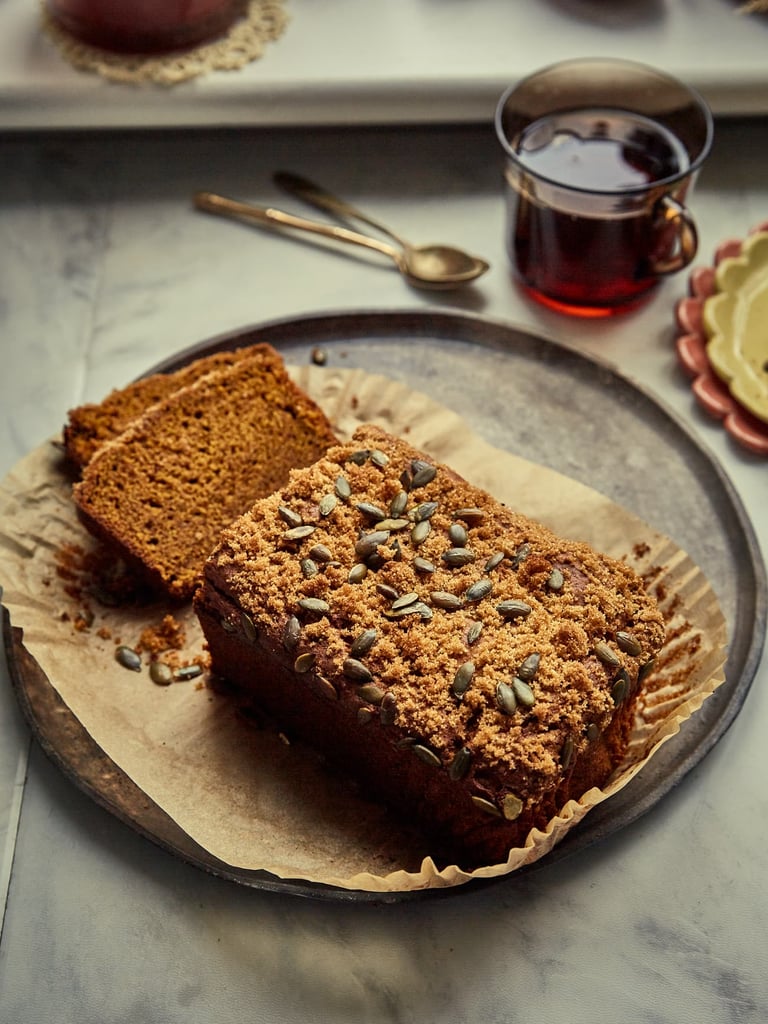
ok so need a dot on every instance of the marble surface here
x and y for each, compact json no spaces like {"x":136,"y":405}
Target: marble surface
{"x":105,"y":270}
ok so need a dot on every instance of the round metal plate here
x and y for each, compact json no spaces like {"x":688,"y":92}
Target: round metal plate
{"x":554,"y":406}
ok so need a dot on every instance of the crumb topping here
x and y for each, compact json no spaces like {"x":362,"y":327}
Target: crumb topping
{"x":491,"y":633}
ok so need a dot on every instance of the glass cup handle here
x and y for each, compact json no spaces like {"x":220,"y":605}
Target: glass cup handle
{"x":671,"y":213}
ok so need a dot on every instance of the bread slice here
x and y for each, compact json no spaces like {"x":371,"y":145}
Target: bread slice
{"x":163,"y":489}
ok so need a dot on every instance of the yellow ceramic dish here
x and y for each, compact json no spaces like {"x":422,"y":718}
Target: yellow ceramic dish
{"x":735,"y":318}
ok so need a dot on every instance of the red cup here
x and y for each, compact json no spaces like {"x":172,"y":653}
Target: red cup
{"x":145,"y":26}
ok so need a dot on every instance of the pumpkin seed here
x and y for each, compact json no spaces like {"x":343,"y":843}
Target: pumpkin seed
{"x":362,"y":643}
{"x":358,"y":573}
{"x":360,"y":456}
{"x":521,"y":554}
{"x":511,"y":806}
{"x":423,"y":473}
{"x":393,"y":525}
{"x":442,"y":599}
{"x":486,"y":805}
{"x":505,"y":698}
{"x":326,"y":688}
{"x":379,"y":458}
{"x":320,"y":553}
{"x":473,"y":633}
{"x":629,"y":644}
{"x":372,"y":511}
{"x":315,"y":605}
{"x":160,"y":673}
{"x":523,"y":692}
{"x":494,"y":561}
{"x":249,"y":630}
{"x":620,"y":688}
{"x":369,"y":542}
{"x":356,"y":670}
{"x":291,"y":633}
{"x":418,"y":608}
{"x":471,"y":516}
{"x":289,"y":517}
{"x":463,"y":678}
{"x":186,"y":672}
{"x":607,"y":655}
{"x":388,"y":709}
{"x":456,"y":557}
{"x":406,"y":480}
{"x":529,"y":667}
{"x":646,"y":669}
{"x":308,"y":568}
{"x":398,"y":504}
{"x":478,"y":591}
{"x":425,"y":510}
{"x":460,"y":764}
{"x":371,"y":693}
{"x":426,"y":755}
{"x":513,"y":609}
{"x":299,"y":532}
{"x":404,"y":601}
{"x":128,"y":658}
{"x":556,"y":580}
{"x":342,"y":488}
{"x":387,"y":592}
{"x":457,"y":535}
{"x":327,"y":504}
{"x":304,"y":662}
{"x":421,"y":531}
{"x":228,"y":627}
{"x":593,"y":731}
{"x":422,"y":565}
{"x":364,"y":716}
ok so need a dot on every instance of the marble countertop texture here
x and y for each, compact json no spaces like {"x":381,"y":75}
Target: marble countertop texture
{"x":105,"y":269}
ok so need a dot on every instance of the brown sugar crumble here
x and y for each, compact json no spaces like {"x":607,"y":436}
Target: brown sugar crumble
{"x":459,"y":659}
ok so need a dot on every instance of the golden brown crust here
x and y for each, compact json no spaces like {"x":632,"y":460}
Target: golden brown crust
{"x":91,"y":425}
{"x":164,"y":488}
{"x":563,"y":658}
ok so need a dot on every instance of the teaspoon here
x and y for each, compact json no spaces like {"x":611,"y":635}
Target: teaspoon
{"x":429,"y":262}
{"x":430,"y":266}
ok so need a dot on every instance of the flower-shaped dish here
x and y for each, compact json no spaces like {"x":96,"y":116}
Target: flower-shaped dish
{"x":711,"y":387}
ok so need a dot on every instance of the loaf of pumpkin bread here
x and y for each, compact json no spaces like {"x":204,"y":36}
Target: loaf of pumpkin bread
{"x":460,"y":662}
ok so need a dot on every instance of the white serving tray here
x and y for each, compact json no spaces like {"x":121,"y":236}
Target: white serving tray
{"x":393,"y":61}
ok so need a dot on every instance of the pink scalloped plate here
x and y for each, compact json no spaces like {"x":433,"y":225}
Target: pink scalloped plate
{"x":713,"y":394}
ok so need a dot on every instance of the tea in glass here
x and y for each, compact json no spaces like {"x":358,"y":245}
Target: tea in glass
{"x":600,"y":157}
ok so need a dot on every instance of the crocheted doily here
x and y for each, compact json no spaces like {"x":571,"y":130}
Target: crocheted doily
{"x":263,"y":22}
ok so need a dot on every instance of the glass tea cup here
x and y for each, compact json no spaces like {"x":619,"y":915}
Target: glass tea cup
{"x":145,"y":26}
{"x":600,"y":155}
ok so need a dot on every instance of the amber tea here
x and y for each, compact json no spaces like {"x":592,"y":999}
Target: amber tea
{"x":568,"y":252}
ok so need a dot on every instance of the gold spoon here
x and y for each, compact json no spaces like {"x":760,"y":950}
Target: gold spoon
{"x":429,"y":266}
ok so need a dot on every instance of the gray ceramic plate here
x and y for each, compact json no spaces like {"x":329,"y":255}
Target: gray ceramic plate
{"x":554,"y":406}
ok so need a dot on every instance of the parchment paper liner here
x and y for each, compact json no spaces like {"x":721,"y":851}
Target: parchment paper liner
{"x":243,"y":793}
